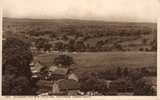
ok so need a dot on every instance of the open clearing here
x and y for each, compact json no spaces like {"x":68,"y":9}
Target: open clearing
{"x":105,"y":59}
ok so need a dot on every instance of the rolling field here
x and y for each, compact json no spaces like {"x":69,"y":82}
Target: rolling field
{"x":103,"y":60}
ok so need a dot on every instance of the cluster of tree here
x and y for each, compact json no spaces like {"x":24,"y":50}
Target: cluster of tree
{"x":71,"y":45}
{"x":122,"y":80}
{"x":141,"y":88}
{"x":63,"y":60}
{"x":120,"y":72}
{"x":88,"y":32}
{"x":90,"y":82}
{"x":134,"y":79}
{"x":37,"y":32}
{"x":16,"y":73}
{"x":43,"y":44}
{"x":154,"y":45}
{"x":66,"y":44}
{"x":113,"y":74}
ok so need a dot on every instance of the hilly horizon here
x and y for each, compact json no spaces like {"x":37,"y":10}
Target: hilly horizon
{"x":70,"y":19}
{"x":129,"y":35}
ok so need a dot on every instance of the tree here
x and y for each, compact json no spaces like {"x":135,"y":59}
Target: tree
{"x":71,"y":44}
{"x":154,"y":45}
{"x":17,"y":53}
{"x":63,"y":60}
{"x":80,"y":46}
{"x":141,"y":88}
{"x":64,"y":37}
{"x":6,"y":84}
{"x":42,"y":44}
{"x":99,"y":44}
{"x":59,"y":46}
{"x":119,"y":72}
{"x":144,"y":41}
{"x":21,"y":86}
{"x":100,"y":86}
{"x":144,"y":71}
{"x":47,"y":47}
{"x":125,"y":71}
{"x":88,"y":82}
{"x":16,"y":57}
{"x":118,"y":47}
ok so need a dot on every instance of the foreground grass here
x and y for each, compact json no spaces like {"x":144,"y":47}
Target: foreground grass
{"x":90,"y":59}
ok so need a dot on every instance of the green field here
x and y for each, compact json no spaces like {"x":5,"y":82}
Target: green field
{"x":103,"y":60}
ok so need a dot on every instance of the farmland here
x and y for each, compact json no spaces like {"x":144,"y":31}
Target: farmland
{"x":90,"y":36}
{"x":98,"y":57}
{"x":105,"y":60}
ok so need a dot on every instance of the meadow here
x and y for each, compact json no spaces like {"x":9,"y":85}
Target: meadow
{"x":104,"y":60}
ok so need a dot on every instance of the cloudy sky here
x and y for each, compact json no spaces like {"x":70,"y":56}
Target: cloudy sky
{"x":110,"y":10}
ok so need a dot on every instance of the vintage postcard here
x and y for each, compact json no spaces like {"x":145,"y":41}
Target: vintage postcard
{"x":80,"y":48}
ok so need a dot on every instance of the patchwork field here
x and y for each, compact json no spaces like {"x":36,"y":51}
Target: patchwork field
{"x":92,"y":35}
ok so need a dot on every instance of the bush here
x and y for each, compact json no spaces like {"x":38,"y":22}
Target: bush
{"x":16,"y":79}
{"x":63,"y":60}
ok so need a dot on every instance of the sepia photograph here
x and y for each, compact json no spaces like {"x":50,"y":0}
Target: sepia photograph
{"x":79,"y":47}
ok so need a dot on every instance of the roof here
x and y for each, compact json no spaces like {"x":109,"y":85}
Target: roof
{"x":45,"y":59}
{"x":52,"y":68}
{"x":36,"y":67}
{"x":60,"y":71}
{"x":150,"y":80}
{"x":45,"y":83}
{"x":73,"y":76}
{"x":68,"y":84}
{"x":120,"y":80}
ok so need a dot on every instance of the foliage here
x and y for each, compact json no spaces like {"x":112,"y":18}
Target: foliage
{"x":64,"y":60}
{"x":42,"y":44}
{"x":141,"y":88}
{"x":16,"y":70}
{"x":88,"y":82}
{"x":89,"y":31}
{"x":59,"y":46}
{"x":80,"y":46}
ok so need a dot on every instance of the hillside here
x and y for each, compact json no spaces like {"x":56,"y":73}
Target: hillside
{"x":100,"y":61}
{"x":107,"y":36}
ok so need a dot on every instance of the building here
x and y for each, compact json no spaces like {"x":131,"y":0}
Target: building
{"x":36,"y":68}
{"x":66,"y":87}
{"x":73,"y":77}
{"x":44,"y":86}
{"x":58,"y":73}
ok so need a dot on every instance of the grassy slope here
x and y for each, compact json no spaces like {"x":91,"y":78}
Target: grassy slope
{"x":107,"y":59}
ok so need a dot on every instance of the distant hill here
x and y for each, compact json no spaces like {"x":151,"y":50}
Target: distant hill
{"x":82,"y":24}
{"x":89,"y":31}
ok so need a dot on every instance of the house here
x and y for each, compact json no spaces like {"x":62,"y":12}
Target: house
{"x":73,"y":77}
{"x":125,"y":93}
{"x":44,"y":86}
{"x":44,"y":94}
{"x":121,"y":85}
{"x":36,"y":67}
{"x":52,"y":68}
{"x":152,"y":81}
{"x":93,"y":93}
{"x":107,"y":82}
{"x":58,"y":73}
{"x":55,"y":88}
{"x":66,"y":87}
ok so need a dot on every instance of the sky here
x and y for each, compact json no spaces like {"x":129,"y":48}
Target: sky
{"x":109,"y":10}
